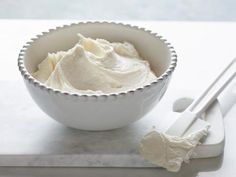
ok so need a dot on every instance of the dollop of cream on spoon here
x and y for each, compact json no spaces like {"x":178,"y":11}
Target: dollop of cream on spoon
{"x":170,"y":151}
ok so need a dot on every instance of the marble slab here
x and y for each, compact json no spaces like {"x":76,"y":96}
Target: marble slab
{"x":28,"y":137}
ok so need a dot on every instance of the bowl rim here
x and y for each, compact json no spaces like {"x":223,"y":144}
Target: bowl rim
{"x":27,"y":76}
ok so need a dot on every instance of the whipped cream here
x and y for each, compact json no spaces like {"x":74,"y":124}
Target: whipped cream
{"x":170,"y":151}
{"x":95,"y":67}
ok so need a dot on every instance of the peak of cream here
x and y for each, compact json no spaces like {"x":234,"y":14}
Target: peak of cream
{"x":170,"y":151}
{"x":95,"y":67}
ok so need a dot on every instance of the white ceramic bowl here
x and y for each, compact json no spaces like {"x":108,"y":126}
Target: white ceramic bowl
{"x":98,"y":112}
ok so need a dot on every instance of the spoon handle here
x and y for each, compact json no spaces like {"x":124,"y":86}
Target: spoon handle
{"x":200,"y":104}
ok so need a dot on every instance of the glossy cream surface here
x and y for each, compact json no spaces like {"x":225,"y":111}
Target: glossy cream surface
{"x":95,"y":66}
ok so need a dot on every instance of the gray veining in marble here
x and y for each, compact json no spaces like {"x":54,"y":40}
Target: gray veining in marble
{"x":28,"y":137}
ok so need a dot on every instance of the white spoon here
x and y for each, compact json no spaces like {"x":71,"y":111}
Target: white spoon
{"x":190,"y":117}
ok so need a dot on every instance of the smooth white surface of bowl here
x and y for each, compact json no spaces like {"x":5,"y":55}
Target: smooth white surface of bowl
{"x":98,"y":112}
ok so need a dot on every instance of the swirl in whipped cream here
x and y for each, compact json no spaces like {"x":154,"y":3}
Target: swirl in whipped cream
{"x":95,"y":67}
